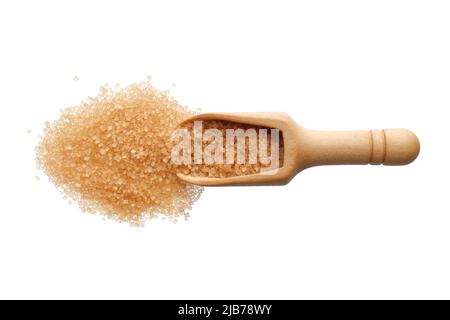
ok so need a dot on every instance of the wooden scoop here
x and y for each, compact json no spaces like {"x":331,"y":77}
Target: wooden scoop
{"x":304,"y":148}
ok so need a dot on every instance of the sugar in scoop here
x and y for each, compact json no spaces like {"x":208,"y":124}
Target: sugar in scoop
{"x":110,"y":154}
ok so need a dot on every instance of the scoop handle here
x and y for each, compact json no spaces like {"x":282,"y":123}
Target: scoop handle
{"x":387,"y":146}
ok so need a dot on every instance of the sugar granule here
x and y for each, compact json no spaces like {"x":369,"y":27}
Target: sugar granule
{"x":110,"y":155}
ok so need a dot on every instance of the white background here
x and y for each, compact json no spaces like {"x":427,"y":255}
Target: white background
{"x":333,"y":232}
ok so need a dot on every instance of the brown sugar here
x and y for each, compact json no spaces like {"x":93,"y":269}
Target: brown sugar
{"x":234,"y":167}
{"x":111,"y":155}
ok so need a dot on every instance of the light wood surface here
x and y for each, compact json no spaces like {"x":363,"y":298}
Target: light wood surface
{"x":304,"y":148}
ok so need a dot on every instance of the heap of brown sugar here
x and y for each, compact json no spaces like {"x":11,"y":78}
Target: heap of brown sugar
{"x":111,"y":155}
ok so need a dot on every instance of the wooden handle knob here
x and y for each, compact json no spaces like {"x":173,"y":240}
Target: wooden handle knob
{"x":393,"y":146}
{"x":388,"y":147}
